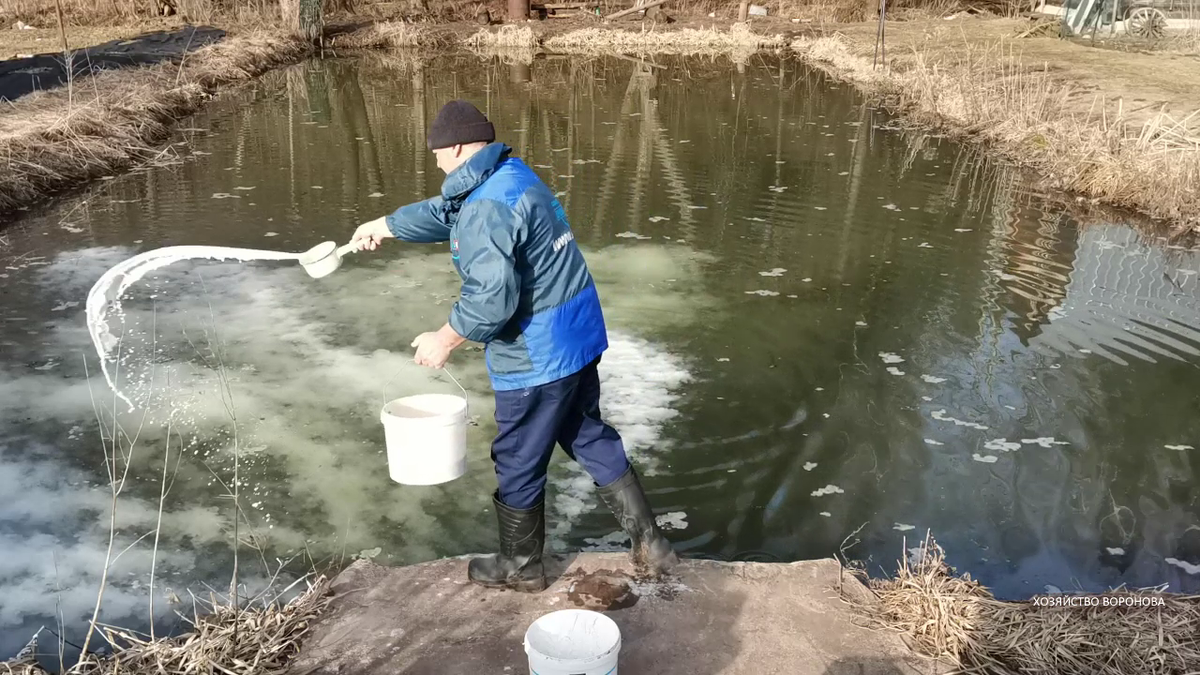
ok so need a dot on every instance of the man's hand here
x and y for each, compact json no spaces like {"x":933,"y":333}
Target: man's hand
{"x":370,"y":235}
{"x":433,"y":349}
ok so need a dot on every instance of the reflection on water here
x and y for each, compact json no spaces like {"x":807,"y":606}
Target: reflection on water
{"x":818,"y":321}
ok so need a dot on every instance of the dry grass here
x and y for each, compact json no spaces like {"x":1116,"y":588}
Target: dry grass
{"x":956,"y":618}
{"x":990,"y":94}
{"x":506,"y":37}
{"x":54,"y":140}
{"x":738,"y":39}
{"x":260,"y":639}
{"x":387,"y":35}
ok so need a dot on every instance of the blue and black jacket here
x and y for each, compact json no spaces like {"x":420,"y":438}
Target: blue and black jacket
{"x":526,"y":292}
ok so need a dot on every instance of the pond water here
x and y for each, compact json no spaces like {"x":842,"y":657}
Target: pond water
{"x":826,"y":333}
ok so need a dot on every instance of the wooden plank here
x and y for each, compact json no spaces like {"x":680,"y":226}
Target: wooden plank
{"x":631,"y":10}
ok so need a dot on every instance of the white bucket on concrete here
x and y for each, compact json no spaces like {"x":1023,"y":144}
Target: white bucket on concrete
{"x":426,"y":438}
{"x":573,"y":642}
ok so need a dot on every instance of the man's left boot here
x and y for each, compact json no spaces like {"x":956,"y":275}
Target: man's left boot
{"x":518,"y":566}
{"x":626,"y":499}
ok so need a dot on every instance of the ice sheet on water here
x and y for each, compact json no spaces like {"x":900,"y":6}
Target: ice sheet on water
{"x":827,"y":490}
{"x":1044,"y":441}
{"x":903,"y":527}
{"x":894,"y":370}
{"x":889,"y":357}
{"x":1179,"y":447}
{"x":1184,"y":565}
{"x":809,"y":466}
{"x":930,"y":441}
{"x":932,"y":379}
{"x":632,"y":235}
{"x":764,"y":293}
{"x":1002,"y":445}
{"x":986,"y":459}
{"x":773,"y":272}
{"x":675,"y":520}
{"x":941,"y":416}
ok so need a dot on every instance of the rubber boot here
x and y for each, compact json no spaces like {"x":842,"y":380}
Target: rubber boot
{"x":518,"y":566}
{"x":625,"y":498}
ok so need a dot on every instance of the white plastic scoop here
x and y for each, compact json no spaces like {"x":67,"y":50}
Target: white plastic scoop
{"x":324,"y":258}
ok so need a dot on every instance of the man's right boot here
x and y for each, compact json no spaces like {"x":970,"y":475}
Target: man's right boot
{"x":626,"y":499}
{"x":518,"y":566}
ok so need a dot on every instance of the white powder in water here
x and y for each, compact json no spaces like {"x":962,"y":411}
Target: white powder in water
{"x":104,"y":299}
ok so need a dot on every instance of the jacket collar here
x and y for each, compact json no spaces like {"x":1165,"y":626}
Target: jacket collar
{"x":461,"y":181}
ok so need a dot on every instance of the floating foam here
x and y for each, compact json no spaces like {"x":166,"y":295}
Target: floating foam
{"x":1179,"y":447}
{"x":889,"y":357}
{"x":763,"y":293}
{"x":903,"y":527}
{"x":774,"y":272}
{"x":1002,"y":444}
{"x":675,"y":520}
{"x":986,"y":459}
{"x":1045,"y":441}
{"x":930,"y":441}
{"x":809,"y":466}
{"x":932,"y":379}
{"x":894,"y":370}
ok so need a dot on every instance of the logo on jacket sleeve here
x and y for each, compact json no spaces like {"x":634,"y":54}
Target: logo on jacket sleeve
{"x":454,"y":248}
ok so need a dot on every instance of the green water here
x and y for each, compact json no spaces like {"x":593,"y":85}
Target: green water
{"x":821,"y":325}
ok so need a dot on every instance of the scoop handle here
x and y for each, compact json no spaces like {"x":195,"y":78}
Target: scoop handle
{"x":346,"y":248}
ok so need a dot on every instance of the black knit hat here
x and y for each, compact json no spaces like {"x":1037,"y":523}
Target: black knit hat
{"x":459,"y":123}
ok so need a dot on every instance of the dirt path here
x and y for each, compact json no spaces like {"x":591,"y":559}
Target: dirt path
{"x":38,"y":72}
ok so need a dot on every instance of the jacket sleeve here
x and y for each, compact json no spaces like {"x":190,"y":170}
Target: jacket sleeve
{"x":488,"y":235}
{"x":422,"y":222}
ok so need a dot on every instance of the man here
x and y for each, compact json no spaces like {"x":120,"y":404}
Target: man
{"x":527,"y":294}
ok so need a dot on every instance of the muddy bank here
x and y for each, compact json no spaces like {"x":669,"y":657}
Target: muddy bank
{"x":56,"y":140}
{"x":708,"y":617}
{"x":42,"y":71}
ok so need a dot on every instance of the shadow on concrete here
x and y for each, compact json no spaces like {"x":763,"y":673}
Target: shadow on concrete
{"x":19,"y":77}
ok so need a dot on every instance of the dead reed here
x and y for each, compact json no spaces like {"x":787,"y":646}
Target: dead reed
{"x":388,"y":35}
{"x":991,"y":94}
{"x":49,"y":143}
{"x":1116,"y":633}
{"x":689,"y":41}
{"x":259,"y":638}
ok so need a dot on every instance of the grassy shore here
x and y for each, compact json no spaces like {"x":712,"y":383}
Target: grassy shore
{"x":65,"y":137}
{"x":1095,"y":145}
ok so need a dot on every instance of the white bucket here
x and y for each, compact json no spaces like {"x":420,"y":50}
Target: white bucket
{"x":573,"y":642}
{"x":426,"y":438}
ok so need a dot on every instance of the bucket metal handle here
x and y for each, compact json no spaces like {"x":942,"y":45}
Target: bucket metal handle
{"x":466,"y":399}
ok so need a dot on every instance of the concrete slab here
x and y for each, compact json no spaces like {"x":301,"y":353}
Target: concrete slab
{"x":708,"y":618}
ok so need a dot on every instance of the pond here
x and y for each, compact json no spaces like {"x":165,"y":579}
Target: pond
{"x":829,"y":335}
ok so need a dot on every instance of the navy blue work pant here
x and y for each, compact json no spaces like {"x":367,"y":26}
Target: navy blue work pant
{"x":531,"y":421}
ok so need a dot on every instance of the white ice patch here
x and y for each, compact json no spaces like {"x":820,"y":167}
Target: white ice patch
{"x":889,"y":357}
{"x":774,"y":272}
{"x":675,"y":520}
{"x":932,"y":379}
{"x":1002,"y":445}
{"x":632,"y":235}
{"x":1115,"y":550}
{"x":930,"y":441}
{"x":825,"y":514}
{"x":894,"y":370}
{"x":860,"y":324}
{"x":891,"y":207}
{"x":1179,"y":447}
{"x":763,"y":293}
{"x":903,"y":527}
{"x":1183,"y":565}
{"x":827,"y":490}
{"x":986,"y":459}
{"x":1044,"y":441}
{"x":809,"y":466}
{"x":658,"y":219}
{"x":940,"y":415}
